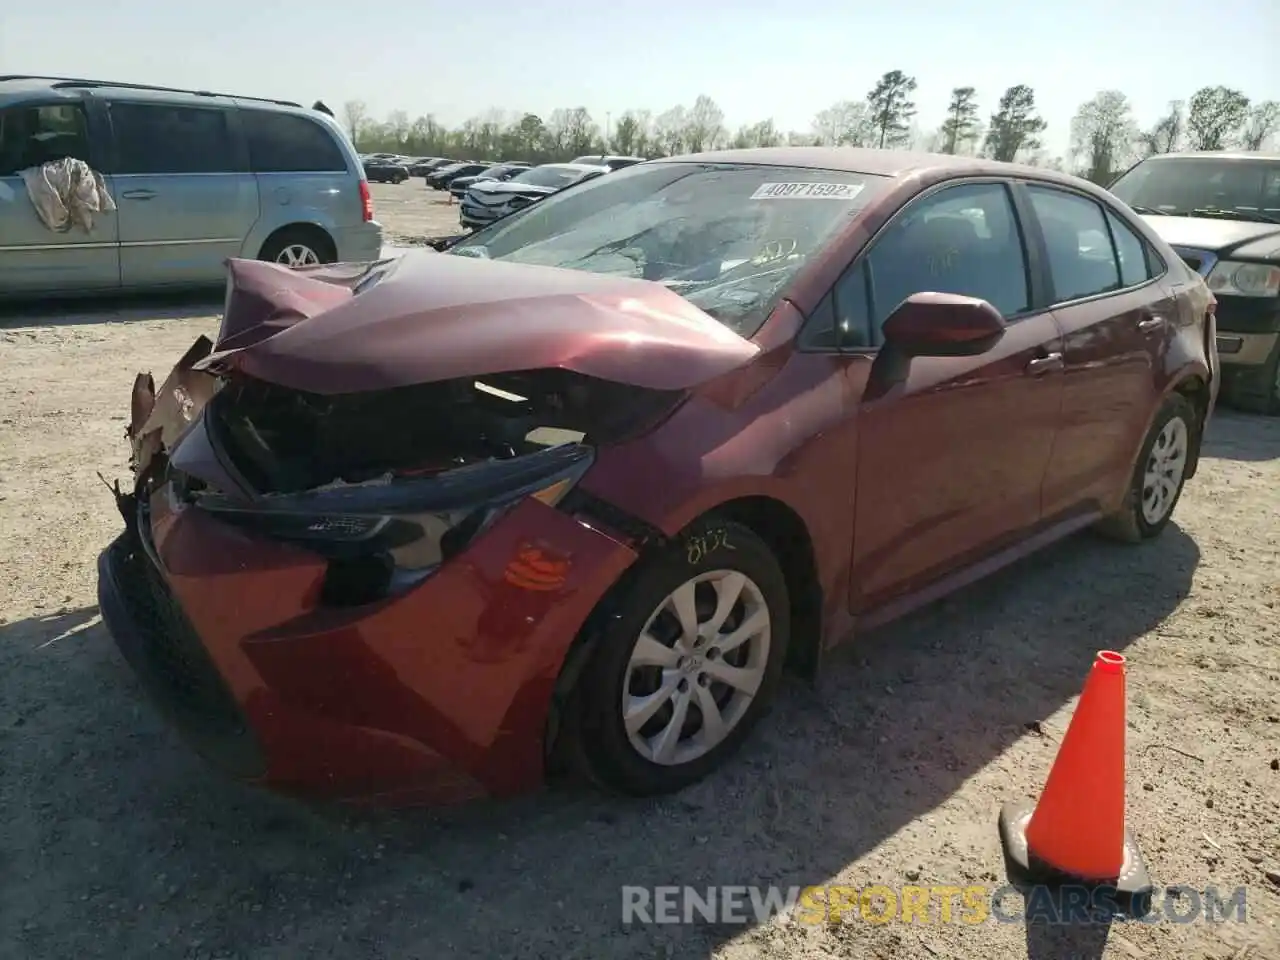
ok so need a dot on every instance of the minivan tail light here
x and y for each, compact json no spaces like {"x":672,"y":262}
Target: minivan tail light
{"x":366,"y":200}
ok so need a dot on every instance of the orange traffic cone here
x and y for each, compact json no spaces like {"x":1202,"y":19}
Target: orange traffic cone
{"x":1076,"y":833}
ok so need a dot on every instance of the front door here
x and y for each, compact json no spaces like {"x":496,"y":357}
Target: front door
{"x":1115,"y":331}
{"x":33,"y":258}
{"x":951,"y":461}
{"x":187,"y":199}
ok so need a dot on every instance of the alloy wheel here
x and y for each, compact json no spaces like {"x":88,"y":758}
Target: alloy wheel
{"x":298,"y":255}
{"x":1166,"y":467}
{"x":696,"y":667}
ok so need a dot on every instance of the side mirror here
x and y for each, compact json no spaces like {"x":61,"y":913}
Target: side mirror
{"x":943,"y":325}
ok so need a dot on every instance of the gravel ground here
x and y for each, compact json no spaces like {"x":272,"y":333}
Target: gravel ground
{"x":116,"y":842}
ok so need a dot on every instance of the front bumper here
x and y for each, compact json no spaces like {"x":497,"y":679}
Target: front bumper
{"x":438,"y":695}
{"x":476,"y":215}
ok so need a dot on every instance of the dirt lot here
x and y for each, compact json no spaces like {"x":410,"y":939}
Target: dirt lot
{"x":410,"y":211}
{"x":116,"y":842}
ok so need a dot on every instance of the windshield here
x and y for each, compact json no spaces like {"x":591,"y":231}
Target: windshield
{"x":549,"y":176}
{"x":1202,"y":186}
{"x":729,"y":238}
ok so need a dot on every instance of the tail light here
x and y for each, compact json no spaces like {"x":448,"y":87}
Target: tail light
{"x":366,"y":200}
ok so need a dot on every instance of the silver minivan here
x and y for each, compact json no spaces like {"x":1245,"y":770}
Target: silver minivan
{"x":196,"y":178}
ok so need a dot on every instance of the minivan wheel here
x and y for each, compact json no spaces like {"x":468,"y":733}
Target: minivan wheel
{"x":298,"y":247}
{"x":686,"y":665}
{"x":1159,"y":476}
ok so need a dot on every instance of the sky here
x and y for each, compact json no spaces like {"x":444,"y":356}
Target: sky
{"x":756,"y":59}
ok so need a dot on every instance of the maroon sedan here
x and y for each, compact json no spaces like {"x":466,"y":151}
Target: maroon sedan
{"x":581,"y":486}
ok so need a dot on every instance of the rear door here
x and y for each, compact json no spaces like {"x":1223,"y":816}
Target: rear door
{"x":301,"y":172}
{"x":951,"y":462}
{"x":186,"y":196}
{"x":1116,"y":321}
{"x":33,"y":258}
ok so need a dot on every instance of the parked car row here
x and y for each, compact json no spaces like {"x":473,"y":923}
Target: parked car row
{"x":491,"y":199}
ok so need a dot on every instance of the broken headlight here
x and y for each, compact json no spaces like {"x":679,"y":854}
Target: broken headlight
{"x":385,"y":535}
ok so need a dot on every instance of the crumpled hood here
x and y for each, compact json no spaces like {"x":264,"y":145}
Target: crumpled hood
{"x":1222,"y":237}
{"x":431,"y":317}
{"x":509,"y":187}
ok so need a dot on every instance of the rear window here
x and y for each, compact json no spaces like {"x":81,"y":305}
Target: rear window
{"x":286,"y":143}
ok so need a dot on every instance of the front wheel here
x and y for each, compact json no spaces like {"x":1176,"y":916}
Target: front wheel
{"x":688,"y":663}
{"x":1159,"y":476}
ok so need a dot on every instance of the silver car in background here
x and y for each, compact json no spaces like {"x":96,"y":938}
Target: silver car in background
{"x":487,"y":200}
{"x":196,"y":177}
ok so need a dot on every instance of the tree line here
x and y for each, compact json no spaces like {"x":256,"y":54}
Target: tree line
{"x":1105,"y":137}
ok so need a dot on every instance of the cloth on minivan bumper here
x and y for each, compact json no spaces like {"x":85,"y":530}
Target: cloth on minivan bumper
{"x":67,"y":193}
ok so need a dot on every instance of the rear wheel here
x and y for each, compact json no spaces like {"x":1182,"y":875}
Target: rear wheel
{"x":687,"y":665}
{"x":299,"y":246}
{"x":1159,"y":476}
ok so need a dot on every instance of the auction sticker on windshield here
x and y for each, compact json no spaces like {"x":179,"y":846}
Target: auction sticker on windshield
{"x":807,"y":191}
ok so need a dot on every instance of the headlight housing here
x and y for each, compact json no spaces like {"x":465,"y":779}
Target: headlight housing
{"x":386,"y":535}
{"x":1238,"y":279}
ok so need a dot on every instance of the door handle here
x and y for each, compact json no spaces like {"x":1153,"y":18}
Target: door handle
{"x":1039,"y":365}
{"x":1151,"y":323}
{"x":138,"y":194}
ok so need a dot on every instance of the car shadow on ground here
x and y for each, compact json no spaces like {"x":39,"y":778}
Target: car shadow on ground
{"x":118,"y":309}
{"x":1233,"y":435}
{"x":118,"y":842}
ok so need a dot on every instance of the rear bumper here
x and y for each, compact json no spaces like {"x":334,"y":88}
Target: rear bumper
{"x":438,"y":695}
{"x":360,"y":243}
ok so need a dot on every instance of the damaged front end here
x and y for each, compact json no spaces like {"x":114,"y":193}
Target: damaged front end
{"x":387,"y":485}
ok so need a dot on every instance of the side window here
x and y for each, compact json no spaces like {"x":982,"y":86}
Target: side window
{"x":1130,"y":251}
{"x":1271,"y":190}
{"x":1081,"y":260}
{"x":963,"y":239}
{"x":286,"y":143}
{"x":163,"y":138}
{"x":31,"y":136}
{"x":852,"y":303}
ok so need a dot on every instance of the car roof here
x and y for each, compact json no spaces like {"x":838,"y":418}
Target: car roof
{"x":21,"y":87}
{"x":883,"y":163}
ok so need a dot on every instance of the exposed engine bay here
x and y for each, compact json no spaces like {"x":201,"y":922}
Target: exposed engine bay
{"x":287,"y":441}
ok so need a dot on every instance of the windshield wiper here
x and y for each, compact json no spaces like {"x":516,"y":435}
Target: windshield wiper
{"x":1247,"y":215}
{"x":1148,"y":211}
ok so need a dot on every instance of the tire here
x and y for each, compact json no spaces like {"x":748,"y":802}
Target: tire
{"x":299,"y":247}
{"x":1165,"y":457}
{"x":713,"y":556}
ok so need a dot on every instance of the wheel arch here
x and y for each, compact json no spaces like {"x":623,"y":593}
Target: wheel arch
{"x":315,"y":230}
{"x":1194,"y":385}
{"x":786,"y":534}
